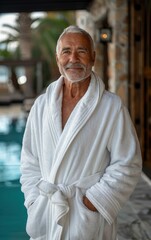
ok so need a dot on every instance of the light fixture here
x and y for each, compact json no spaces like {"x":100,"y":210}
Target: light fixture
{"x":105,"y":35}
{"x":22,"y":80}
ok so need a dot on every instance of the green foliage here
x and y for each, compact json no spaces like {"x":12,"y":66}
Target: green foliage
{"x":4,"y":53}
{"x":44,"y":37}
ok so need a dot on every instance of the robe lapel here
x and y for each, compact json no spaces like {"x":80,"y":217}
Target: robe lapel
{"x":78,"y":118}
{"x":54,"y":105}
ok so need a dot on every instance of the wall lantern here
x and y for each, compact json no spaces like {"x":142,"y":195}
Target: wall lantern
{"x":105,"y":35}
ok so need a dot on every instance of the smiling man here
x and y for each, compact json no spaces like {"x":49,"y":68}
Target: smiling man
{"x":80,"y":158}
{"x":75,"y":57}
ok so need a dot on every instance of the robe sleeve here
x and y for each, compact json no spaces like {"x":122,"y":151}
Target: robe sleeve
{"x":30,"y":170}
{"x":121,"y":176}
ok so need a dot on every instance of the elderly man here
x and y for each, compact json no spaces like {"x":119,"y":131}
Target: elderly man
{"x":80,"y":158}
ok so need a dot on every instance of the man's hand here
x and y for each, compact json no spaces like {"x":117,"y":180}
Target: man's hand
{"x":89,"y":205}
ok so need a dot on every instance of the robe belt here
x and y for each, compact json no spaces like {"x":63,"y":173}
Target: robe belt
{"x":58,"y":195}
{"x":49,"y":189}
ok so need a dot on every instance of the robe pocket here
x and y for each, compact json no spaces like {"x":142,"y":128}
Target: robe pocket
{"x":36,"y":221}
{"x":84,"y":223}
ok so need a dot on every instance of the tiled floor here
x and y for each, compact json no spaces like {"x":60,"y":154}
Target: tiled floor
{"x":13,"y":110}
{"x":135,"y":218}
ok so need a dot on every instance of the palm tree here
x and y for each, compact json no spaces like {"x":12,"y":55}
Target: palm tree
{"x":25,"y":46}
{"x":21,"y":33}
{"x":38,"y":42}
{"x":46,"y":35}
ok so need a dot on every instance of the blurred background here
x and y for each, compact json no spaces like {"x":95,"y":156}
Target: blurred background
{"x":121,"y":30}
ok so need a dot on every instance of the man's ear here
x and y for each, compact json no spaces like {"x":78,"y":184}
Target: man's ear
{"x":93,"y":56}
{"x":56,"y":58}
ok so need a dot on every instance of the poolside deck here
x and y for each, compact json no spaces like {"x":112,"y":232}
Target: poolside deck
{"x":134,"y":220}
{"x":8,"y":95}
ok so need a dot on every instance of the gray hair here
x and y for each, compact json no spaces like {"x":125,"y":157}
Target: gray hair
{"x":75,"y":29}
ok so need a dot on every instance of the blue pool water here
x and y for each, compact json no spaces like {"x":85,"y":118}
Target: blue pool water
{"x":12,"y":211}
{"x":11,"y":134}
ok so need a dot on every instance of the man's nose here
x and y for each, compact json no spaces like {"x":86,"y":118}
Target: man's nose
{"x":74,"y":57}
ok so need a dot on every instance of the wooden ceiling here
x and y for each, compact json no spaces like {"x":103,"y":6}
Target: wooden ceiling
{"x":13,"y":6}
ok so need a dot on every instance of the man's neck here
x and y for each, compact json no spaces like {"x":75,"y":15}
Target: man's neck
{"x":72,"y":93}
{"x":76,"y":90}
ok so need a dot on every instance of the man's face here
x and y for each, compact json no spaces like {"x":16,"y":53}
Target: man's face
{"x":75,"y":57}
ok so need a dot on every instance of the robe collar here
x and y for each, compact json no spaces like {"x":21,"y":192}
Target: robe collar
{"x":78,"y":118}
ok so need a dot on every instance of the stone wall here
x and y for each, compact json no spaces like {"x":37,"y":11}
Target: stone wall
{"x":86,"y":21}
{"x":118,"y":49}
{"x":116,"y":12}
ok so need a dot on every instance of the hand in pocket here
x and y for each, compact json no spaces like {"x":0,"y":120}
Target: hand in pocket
{"x":88,"y":204}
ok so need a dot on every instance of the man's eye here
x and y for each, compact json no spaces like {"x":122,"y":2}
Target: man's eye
{"x":65,"y":52}
{"x":82,"y":51}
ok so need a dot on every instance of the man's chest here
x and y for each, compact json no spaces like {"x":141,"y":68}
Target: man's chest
{"x":67,"y":107}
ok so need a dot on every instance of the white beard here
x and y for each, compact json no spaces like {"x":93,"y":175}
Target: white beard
{"x":74,"y":78}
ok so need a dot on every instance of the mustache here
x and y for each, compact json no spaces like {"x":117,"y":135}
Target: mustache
{"x":75,"y":65}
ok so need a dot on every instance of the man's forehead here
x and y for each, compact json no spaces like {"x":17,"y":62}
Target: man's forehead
{"x":74,"y":38}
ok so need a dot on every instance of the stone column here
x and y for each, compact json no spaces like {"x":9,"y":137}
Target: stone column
{"x":118,"y":49}
{"x":85,"y":20}
{"x":117,"y":13}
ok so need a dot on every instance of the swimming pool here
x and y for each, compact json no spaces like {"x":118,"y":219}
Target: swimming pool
{"x":11,"y":134}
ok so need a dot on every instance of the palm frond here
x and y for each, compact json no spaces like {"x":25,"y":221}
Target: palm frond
{"x":14,"y":28}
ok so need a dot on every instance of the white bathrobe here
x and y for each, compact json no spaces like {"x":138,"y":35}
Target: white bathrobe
{"x":97,"y":154}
